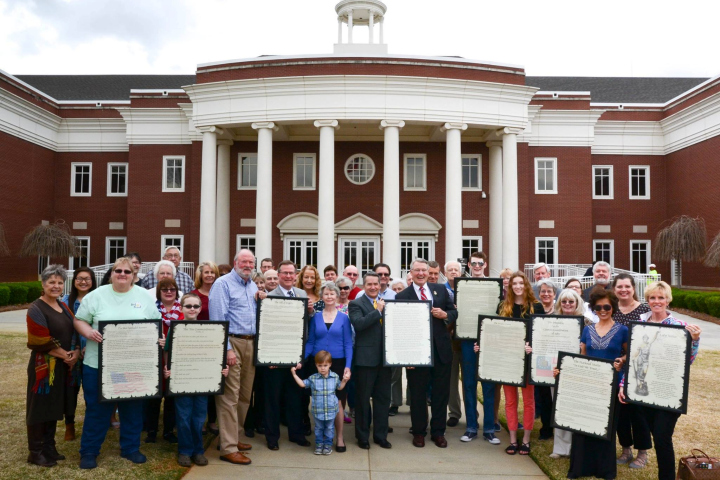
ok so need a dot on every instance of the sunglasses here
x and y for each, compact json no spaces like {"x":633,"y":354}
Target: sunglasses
{"x":173,"y":290}
{"x":120,"y":271}
{"x":567,"y":302}
{"x":605,"y":307}
{"x":344,"y":288}
{"x":477,"y":264}
{"x":192,"y":306}
{"x":383,"y":274}
{"x":83,"y":280}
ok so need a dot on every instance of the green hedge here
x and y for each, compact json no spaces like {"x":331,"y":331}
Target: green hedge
{"x":697,"y":301}
{"x":19,"y":293}
{"x":4,"y":295}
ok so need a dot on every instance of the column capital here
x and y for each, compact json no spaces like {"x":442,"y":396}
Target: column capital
{"x":454,"y":126}
{"x":210,"y":129}
{"x":391,"y":123}
{"x":327,"y":123}
{"x":509,"y":130}
{"x":494,"y":143}
{"x":268,"y":125}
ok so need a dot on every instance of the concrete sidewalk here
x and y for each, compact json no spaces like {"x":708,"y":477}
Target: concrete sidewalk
{"x":13,"y":321}
{"x":476,"y":459}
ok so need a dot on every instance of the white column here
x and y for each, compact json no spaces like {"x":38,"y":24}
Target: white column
{"x":453,"y":191}
{"x":222,"y":214}
{"x":264,"y":197}
{"x":382,"y":21}
{"x":511,"y":249}
{"x":391,"y":195}
{"x":371,"y":26}
{"x":326,"y":193}
{"x":496,"y":206}
{"x":350,"y":26}
{"x":208,"y":178}
{"x":340,"y":22}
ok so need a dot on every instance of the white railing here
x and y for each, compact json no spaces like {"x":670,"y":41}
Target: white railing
{"x":145,"y":268}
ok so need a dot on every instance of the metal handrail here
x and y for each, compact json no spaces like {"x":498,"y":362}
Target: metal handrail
{"x":145,"y":268}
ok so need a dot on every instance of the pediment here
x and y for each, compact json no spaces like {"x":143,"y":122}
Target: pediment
{"x":298,"y":223}
{"x":358,"y":224}
{"x":419,"y":224}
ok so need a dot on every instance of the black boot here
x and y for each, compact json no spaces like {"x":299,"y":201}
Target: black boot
{"x":35,"y":435}
{"x":49,"y":449}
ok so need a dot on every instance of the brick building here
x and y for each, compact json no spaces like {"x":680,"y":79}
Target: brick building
{"x":360,"y":156}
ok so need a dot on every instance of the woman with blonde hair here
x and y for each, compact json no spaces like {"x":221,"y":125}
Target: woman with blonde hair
{"x":309,"y":280}
{"x":205,"y":275}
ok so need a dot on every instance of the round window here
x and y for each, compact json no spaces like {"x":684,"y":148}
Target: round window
{"x":359,"y":169}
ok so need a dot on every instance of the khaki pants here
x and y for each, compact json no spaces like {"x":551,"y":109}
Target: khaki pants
{"x":232,"y":406}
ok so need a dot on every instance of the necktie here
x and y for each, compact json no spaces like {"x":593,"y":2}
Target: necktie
{"x":375,"y":304}
{"x":291,"y":293}
{"x":422,"y":294}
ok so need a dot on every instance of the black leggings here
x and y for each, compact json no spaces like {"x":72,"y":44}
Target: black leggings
{"x":662,"y":425}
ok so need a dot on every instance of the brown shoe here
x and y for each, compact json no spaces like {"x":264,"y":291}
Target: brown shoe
{"x":440,"y":441}
{"x":70,"y":432}
{"x":237,"y":458}
{"x":418,"y":441}
{"x":244,"y":447}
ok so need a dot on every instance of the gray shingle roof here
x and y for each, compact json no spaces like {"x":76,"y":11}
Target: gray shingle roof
{"x":603,"y":89}
{"x":618,"y":89}
{"x":102,"y":87}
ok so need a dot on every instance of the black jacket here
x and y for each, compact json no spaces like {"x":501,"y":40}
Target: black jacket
{"x":368,"y":332}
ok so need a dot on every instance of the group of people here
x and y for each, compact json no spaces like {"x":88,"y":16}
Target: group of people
{"x":342,"y":365}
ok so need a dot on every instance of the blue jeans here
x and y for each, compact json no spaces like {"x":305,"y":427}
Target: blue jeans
{"x":97,"y":419}
{"x":190,"y":415}
{"x":469,"y":381}
{"x":324,"y":432}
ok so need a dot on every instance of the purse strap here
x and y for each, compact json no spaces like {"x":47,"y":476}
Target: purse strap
{"x":704,"y":455}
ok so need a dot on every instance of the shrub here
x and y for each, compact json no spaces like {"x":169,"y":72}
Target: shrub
{"x":4,"y":295}
{"x":18,"y":294}
{"x":712,"y":303}
{"x":34,"y":291}
{"x":678,"y":298}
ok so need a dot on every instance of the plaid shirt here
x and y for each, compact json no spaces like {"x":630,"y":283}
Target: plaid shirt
{"x":183,"y":280}
{"x":324,"y":401}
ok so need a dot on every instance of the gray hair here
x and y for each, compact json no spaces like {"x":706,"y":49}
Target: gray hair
{"x":344,"y":280}
{"x":453,"y":262}
{"x":168,"y":263}
{"x":400,"y":281}
{"x":172,"y":247}
{"x":545,"y":281}
{"x":602,"y":264}
{"x":418,"y":260}
{"x":330,"y":286}
{"x":52,"y":271}
{"x":240,"y":252}
{"x":572,"y":294}
{"x":540,"y":265}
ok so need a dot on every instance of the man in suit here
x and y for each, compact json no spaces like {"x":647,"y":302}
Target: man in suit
{"x":278,"y":381}
{"x":372,"y":379}
{"x":443,"y":313}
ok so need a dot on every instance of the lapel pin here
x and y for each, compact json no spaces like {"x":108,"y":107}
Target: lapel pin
{"x":434,"y":292}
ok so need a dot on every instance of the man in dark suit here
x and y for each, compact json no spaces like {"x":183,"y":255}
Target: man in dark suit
{"x":372,"y":379}
{"x":278,"y":381}
{"x":443,"y":313}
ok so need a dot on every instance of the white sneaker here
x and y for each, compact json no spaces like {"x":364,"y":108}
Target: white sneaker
{"x":468,"y":437}
{"x":490,"y":437}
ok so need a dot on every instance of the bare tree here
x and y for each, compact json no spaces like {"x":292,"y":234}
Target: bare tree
{"x":684,"y":239}
{"x":4,"y":249}
{"x":52,"y":240}
{"x":712,"y":257}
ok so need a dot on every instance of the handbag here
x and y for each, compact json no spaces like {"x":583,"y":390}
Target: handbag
{"x":698,"y":467}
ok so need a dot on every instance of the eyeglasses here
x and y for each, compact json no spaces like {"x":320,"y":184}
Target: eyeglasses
{"x":83,"y":280}
{"x":192,"y":306}
{"x":605,"y":307}
{"x":172,"y":255}
{"x":120,"y":271}
{"x":567,"y":302}
{"x":287,"y":273}
{"x":383,"y":274}
{"x":344,"y":288}
{"x":172,"y":290}
{"x":477,"y":264}
{"x":351,"y":274}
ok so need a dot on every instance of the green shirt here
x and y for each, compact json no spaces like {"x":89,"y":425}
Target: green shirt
{"x":104,"y":303}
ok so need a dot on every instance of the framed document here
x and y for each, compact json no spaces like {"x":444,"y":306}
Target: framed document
{"x":281,"y":331}
{"x":473,"y":297}
{"x":550,"y":335}
{"x":407,"y":331}
{"x":129,"y":365}
{"x":585,"y":393}
{"x":502,"y":357}
{"x":657,"y":371}
{"x":197,"y":354}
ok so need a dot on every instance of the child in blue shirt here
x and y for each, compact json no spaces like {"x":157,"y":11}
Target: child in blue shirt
{"x":324,"y":401}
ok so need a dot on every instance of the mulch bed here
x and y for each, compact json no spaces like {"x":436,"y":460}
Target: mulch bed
{"x":10,"y":308}
{"x":700,"y":316}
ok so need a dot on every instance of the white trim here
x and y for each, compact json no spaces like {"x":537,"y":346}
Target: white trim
{"x":243,"y":235}
{"x":415,"y":239}
{"x":240,"y":186}
{"x":563,"y":92}
{"x":71,"y":260}
{"x":560,"y":128}
{"x":647,"y":182}
{"x":73,"y":193}
{"x":611,"y":196}
{"x":164,"y":173}
{"x":472,"y":237}
{"x":302,"y":238}
{"x":556,"y":248}
{"x":313,"y":185}
{"x":163,"y":246}
{"x":649,"y":253}
{"x":107,"y":247}
{"x":479,"y":167}
{"x":554,"y":190}
{"x":421,"y":156}
{"x":156,"y":90}
{"x":359,"y":238}
{"x":158,"y":126}
{"x":109,"y":178}
{"x":350,"y":159}
{"x":612,"y":248}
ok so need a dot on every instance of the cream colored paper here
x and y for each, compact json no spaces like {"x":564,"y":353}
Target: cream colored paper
{"x":197,"y":357}
{"x":474,"y":298}
{"x":280,"y":333}
{"x":502,"y":351}
{"x":407,"y":333}
{"x":551,"y":335}
{"x":130,"y":360}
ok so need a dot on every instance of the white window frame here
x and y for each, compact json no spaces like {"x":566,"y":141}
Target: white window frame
{"x":649,"y":253}
{"x":240,"y":236}
{"x":165,"y":188}
{"x":71,"y":260}
{"x":647,"y":182}
{"x":537,"y":248}
{"x":554,"y":190}
{"x":612,"y":248}
{"x":107,"y":247}
{"x":359,"y":238}
{"x":480,"y":247}
{"x":479,"y":167}
{"x":611,"y":196}
{"x":350,"y":159}
{"x":109,"y":178}
{"x":423,"y":187}
{"x":313,"y":186}
{"x":72,"y":179}
{"x":415,"y":240}
{"x":302,"y":238}
{"x":163,"y":246}
{"x":240,"y":186}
